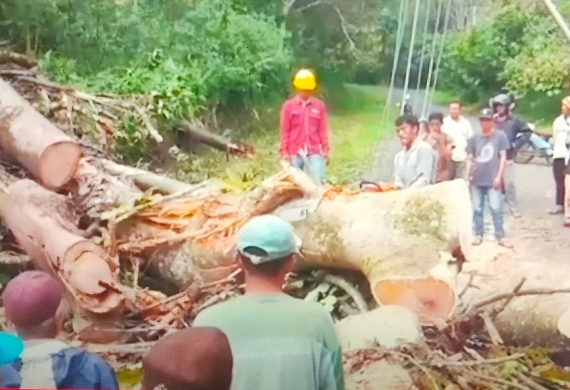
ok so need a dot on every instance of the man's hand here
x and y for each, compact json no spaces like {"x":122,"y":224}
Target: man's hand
{"x":497,"y":183}
{"x":327,"y":160}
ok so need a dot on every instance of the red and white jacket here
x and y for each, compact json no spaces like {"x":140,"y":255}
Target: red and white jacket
{"x":304,"y":126}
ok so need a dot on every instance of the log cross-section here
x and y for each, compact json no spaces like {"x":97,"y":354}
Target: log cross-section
{"x":36,"y":143}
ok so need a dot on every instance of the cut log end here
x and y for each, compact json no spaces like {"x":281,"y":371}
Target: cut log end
{"x":59,"y":162}
{"x":431,"y":299}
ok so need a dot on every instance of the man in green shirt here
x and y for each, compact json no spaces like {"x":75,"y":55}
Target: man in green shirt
{"x":278,"y":342}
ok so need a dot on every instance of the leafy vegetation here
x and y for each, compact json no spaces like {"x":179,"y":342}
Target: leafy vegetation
{"x":227,"y":59}
{"x":232,"y":60}
{"x":519,"y":49}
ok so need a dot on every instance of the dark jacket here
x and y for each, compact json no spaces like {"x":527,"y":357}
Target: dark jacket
{"x":72,"y":368}
{"x":511,"y":126}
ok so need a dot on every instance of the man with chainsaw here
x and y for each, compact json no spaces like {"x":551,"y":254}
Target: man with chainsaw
{"x":511,"y":127}
{"x":304,"y":132}
{"x":414,"y":165}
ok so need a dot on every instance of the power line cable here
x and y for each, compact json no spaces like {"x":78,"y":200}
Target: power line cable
{"x":410,"y":53}
{"x":432,"y":58}
{"x":441,"y":50}
{"x":424,"y":42}
{"x":402,"y":14}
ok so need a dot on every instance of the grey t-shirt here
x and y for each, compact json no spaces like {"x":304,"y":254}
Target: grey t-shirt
{"x":485,"y":152}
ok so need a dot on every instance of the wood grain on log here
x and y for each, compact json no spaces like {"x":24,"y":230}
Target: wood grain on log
{"x":45,"y":226}
{"x":35,"y":142}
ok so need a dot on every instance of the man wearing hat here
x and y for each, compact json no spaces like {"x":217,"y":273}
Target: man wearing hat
{"x":278,"y":342}
{"x":33,"y":303}
{"x":487,"y":159}
{"x":191,"y":359}
{"x":304,"y":131}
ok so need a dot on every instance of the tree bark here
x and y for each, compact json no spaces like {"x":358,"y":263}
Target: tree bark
{"x":45,"y":226}
{"x":146,"y":180}
{"x":35,"y":142}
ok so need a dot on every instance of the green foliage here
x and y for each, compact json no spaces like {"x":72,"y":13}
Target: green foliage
{"x":181,"y":57}
{"x":475,"y":60}
{"x":518,"y":51}
{"x":543,"y":65}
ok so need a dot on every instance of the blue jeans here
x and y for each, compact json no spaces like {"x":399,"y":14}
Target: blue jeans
{"x":316,"y":166}
{"x":496,"y":199}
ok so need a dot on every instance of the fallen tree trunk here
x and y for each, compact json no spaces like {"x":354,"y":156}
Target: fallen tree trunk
{"x":146,"y":180}
{"x":404,"y":242}
{"x":195,"y":132}
{"x":35,"y":142}
{"x":45,"y":226}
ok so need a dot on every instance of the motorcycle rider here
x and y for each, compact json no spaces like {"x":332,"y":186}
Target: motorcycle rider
{"x":512,"y":127}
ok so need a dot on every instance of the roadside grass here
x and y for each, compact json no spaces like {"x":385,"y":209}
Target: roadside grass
{"x":355,"y":116}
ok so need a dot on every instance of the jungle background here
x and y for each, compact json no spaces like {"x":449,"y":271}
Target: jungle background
{"x":230,"y":62}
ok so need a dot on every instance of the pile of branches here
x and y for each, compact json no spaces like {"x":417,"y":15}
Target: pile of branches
{"x":87,"y":115}
{"x":467,"y":353}
{"x":98,"y":120}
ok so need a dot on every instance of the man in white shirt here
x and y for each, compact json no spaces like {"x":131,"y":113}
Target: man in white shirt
{"x":560,"y":139}
{"x":460,"y":131}
{"x":414,"y":165}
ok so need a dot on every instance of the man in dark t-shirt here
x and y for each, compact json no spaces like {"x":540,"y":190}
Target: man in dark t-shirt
{"x":487,"y":159}
{"x":512,"y":127}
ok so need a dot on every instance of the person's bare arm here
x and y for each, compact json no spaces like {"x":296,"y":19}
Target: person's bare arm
{"x":502,"y":163}
{"x":503,"y":146}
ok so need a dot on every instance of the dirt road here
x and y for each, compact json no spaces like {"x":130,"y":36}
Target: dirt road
{"x":541,"y":243}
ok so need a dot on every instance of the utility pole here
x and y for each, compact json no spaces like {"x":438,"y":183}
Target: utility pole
{"x":558,"y":18}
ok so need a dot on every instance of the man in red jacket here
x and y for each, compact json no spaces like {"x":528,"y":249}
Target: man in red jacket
{"x":304,"y":128}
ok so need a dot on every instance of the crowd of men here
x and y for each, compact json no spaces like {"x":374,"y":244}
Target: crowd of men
{"x":266,"y":339}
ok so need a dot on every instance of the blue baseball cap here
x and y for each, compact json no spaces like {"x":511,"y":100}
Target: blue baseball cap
{"x":270,"y":234}
{"x":10,"y":348}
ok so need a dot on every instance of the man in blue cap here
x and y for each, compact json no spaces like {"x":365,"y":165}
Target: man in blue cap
{"x":278,"y":342}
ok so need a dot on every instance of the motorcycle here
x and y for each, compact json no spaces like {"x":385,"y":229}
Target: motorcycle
{"x":407,"y":109}
{"x":530,"y":144}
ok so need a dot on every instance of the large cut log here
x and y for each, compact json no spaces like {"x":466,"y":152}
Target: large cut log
{"x":35,"y":142}
{"x":408,"y":243}
{"x":45,"y":226}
